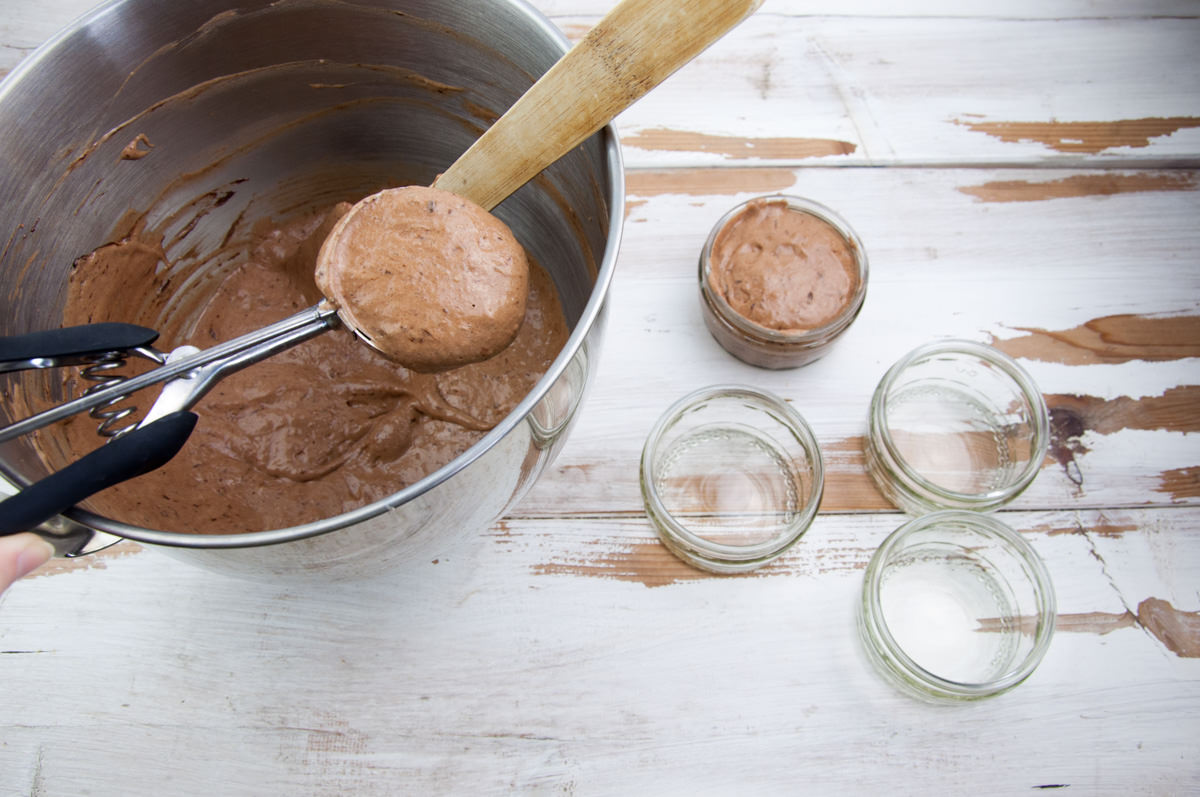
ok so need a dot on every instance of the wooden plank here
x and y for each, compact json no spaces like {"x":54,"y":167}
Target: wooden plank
{"x":990,"y":9}
{"x":564,"y":650}
{"x":25,"y":26}
{"x":867,"y":87}
{"x":578,"y":655}
{"x":1106,"y":324}
{"x":912,"y":91}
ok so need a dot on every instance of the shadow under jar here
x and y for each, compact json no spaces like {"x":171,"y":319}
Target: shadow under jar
{"x":781,"y":278}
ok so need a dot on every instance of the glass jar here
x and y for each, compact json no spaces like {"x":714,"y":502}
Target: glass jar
{"x":772,"y":339}
{"x":956,"y":606}
{"x":955,"y":425}
{"x":731,"y":478}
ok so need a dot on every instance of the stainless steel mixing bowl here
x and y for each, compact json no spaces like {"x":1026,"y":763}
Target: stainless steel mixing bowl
{"x":274,"y":105}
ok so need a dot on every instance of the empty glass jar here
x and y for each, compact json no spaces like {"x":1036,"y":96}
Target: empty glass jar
{"x":955,"y":425}
{"x":731,"y":478}
{"x":956,"y":606}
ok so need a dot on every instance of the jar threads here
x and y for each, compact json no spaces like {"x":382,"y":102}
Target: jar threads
{"x":955,"y":424}
{"x":731,"y":477}
{"x":955,"y":606}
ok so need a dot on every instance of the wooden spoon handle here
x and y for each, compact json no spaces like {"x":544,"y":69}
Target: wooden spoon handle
{"x":631,"y":50}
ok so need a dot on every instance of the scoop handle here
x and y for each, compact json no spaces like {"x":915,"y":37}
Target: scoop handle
{"x":631,"y":50}
{"x":70,"y":345}
{"x":140,"y":451}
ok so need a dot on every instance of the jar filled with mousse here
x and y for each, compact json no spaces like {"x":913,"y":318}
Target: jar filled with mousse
{"x":781,"y":277}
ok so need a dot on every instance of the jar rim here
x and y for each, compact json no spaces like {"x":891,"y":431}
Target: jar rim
{"x":766,"y":334}
{"x":1010,"y":368}
{"x":930,"y":683}
{"x":698,"y":550}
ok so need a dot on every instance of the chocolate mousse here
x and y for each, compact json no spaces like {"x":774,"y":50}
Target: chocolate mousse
{"x":780,"y":279}
{"x":431,"y":279}
{"x":783,"y":269}
{"x":317,"y":430}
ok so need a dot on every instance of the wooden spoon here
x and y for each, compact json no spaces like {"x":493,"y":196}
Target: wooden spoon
{"x":406,"y":277}
{"x":631,"y":50}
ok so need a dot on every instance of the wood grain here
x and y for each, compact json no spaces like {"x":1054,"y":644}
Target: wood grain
{"x":1102,"y":184}
{"x":1082,"y":136}
{"x":629,"y":51}
{"x":1022,"y":173}
{"x":1111,"y":339}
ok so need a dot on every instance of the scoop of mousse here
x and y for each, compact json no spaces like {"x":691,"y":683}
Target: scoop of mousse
{"x":433,"y":280}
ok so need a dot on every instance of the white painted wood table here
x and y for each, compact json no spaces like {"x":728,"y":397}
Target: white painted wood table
{"x":1022,"y":173}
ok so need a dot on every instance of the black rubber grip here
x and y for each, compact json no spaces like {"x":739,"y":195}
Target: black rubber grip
{"x":130,"y":455}
{"x":74,"y":341}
